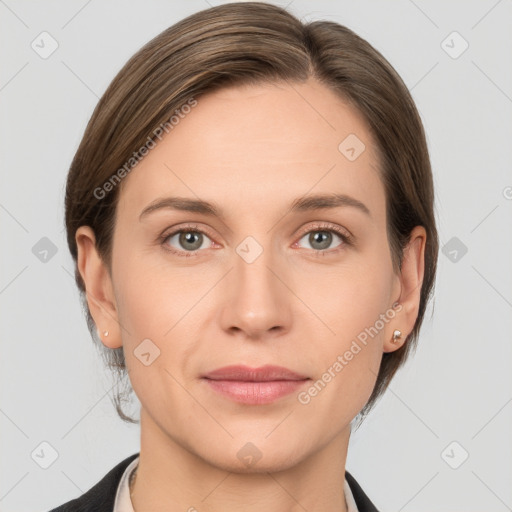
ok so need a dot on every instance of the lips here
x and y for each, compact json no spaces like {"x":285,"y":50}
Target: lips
{"x":247,"y":374}
{"x":254,"y":386}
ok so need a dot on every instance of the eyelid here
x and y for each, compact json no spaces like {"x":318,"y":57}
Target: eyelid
{"x":189,"y":226}
{"x":327,"y":226}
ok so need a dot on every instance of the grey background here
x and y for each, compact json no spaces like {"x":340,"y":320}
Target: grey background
{"x":54,"y":387}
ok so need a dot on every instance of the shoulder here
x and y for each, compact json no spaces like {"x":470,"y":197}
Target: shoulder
{"x":101,"y":496}
{"x":363,"y":503}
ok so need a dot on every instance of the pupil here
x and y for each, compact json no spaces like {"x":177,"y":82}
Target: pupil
{"x":188,"y":238}
{"x":323,"y":238}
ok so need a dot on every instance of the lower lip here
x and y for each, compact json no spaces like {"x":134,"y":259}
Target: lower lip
{"x":255,"y":393}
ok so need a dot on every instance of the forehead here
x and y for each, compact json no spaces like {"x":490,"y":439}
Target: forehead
{"x":251,"y":145}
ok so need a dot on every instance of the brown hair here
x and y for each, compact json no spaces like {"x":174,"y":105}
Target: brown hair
{"x":250,"y":43}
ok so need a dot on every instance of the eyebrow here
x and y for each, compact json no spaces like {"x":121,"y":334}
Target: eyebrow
{"x":301,"y":204}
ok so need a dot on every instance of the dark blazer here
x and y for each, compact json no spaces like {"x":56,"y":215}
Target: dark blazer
{"x":101,"y":497}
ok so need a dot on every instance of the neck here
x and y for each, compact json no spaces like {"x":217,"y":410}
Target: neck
{"x":171,"y":477}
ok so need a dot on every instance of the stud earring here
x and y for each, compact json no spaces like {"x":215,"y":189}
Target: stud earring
{"x":396,"y":336}
{"x":105,"y":333}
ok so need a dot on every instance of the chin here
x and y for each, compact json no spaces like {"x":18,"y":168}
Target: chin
{"x":267,"y":464}
{"x":259,"y":457}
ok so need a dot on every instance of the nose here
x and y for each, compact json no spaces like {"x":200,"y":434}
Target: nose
{"x":257,"y":303}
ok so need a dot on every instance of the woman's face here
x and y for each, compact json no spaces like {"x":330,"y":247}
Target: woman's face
{"x":260,"y":282}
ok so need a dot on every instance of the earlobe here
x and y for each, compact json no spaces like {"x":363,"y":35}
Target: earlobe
{"x":395,"y":341}
{"x":99,"y":290}
{"x":411,"y":280}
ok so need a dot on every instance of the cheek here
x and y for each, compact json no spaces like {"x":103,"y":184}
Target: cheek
{"x":353,"y":303}
{"x":153,"y":295}
{"x":152,"y":310}
{"x":158,"y":311}
{"x":350,"y":297}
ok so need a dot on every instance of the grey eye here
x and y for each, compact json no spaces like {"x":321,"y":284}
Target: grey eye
{"x":320,"y":239}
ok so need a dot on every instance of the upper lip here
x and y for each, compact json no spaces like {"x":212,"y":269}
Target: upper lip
{"x":246,"y":373}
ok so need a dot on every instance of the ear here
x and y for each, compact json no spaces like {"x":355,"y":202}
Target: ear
{"x":99,"y":289}
{"x":409,"y":281}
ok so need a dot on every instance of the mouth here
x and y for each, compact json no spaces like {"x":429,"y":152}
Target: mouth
{"x":254,"y":386}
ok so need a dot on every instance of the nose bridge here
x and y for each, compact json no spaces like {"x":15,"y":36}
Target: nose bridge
{"x":257,"y":299}
{"x":252,"y":267}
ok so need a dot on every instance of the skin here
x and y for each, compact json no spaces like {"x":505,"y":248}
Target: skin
{"x":252,"y":150}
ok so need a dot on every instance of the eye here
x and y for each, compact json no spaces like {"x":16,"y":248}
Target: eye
{"x":322,"y":237}
{"x":188,"y":239}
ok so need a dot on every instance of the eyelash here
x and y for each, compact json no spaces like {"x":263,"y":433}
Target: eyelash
{"x":320,"y":227}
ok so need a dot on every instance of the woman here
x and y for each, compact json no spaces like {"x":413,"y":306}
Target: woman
{"x":290,"y":157}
